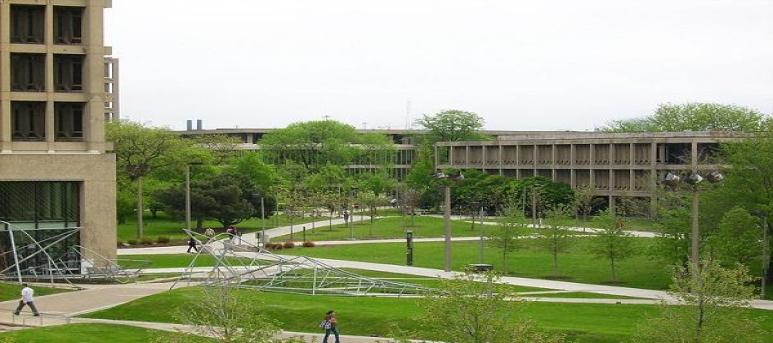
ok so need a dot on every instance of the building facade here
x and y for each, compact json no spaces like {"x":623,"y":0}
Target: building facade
{"x":56,"y":174}
{"x":612,"y":165}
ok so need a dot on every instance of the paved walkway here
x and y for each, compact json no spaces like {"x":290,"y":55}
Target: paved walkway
{"x":252,"y":237}
{"x":642,"y":234}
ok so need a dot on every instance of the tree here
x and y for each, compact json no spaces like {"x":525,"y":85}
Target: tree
{"x":139,"y":150}
{"x":695,"y":117}
{"x":226,"y":315}
{"x":507,"y":236}
{"x":736,"y":241}
{"x":472,"y":309}
{"x":584,"y":201}
{"x":611,"y":241}
{"x":673,"y":228}
{"x":251,"y":165}
{"x":553,"y":237}
{"x":224,"y":197}
{"x":712,"y":298}
{"x":452,"y":125}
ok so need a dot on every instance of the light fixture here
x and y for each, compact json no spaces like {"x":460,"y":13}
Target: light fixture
{"x":715,"y":177}
{"x":671,"y":179}
{"x":693,"y":179}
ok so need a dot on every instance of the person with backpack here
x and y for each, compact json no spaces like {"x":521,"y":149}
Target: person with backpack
{"x":192,"y":244}
{"x":330,"y":324}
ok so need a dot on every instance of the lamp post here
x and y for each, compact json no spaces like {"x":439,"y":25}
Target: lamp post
{"x":457,"y":176}
{"x":188,"y":194}
{"x":262,"y":217}
{"x":693,"y":180}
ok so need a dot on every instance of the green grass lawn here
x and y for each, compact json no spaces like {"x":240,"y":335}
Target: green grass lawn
{"x":175,"y":261}
{"x":575,"y":265}
{"x":88,"y":333}
{"x":165,"y":226}
{"x":367,"y":316}
{"x":391,"y":227}
{"x":11,"y":291}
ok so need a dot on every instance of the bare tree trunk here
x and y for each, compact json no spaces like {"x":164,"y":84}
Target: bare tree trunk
{"x":140,"y":208}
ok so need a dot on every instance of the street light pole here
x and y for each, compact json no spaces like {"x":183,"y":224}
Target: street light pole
{"x":695,"y":232}
{"x":188,"y":197}
{"x":262,"y":221}
{"x":447,"y":227}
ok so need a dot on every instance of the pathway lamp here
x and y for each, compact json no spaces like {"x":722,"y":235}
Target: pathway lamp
{"x":262,"y":217}
{"x":693,"y":180}
{"x":188,"y":193}
{"x":454,"y":176}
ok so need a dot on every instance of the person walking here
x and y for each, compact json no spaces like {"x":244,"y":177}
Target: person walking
{"x":192,"y":244}
{"x":330,"y":324}
{"x":26,"y":299}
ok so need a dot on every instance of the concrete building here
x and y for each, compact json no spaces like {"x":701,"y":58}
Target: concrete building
{"x":613,"y":165}
{"x":55,"y":172}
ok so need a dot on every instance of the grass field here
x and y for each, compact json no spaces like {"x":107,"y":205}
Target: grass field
{"x":391,"y":227}
{"x":11,"y":291}
{"x":373,"y":316}
{"x":175,"y":261}
{"x":88,"y":333}
{"x":165,"y":226}
{"x":575,"y":265}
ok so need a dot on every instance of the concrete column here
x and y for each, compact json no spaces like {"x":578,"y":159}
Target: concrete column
{"x":535,"y":156}
{"x":694,"y":156}
{"x":5,"y":78}
{"x":572,"y":166}
{"x":94,"y":76}
{"x":483,"y":157}
{"x":611,"y":188}
{"x":553,"y":162}
{"x":653,"y":180}
{"x":467,"y":156}
{"x":451,"y":155}
{"x":500,"y":159}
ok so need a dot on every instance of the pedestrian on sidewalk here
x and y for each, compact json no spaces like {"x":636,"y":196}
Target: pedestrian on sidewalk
{"x":330,"y":324}
{"x":192,"y":244}
{"x":26,"y":299}
{"x":346,"y":216}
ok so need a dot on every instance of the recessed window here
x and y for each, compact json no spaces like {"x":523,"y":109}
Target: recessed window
{"x":27,"y":24}
{"x":28,"y":120}
{"x":68,"y":73}
{"x":68,"y":25}
{"x":69,"y":121}
{"x":28,"y":72}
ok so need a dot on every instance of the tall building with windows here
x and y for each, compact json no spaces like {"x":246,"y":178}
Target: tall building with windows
{"x":55,"y":170}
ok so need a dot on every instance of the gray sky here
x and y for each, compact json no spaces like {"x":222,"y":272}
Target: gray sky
{"x":522,"y":65}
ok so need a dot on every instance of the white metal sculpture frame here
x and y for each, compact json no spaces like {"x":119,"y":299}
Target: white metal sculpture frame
{"x":93,"y":267}
{"x":252,"y":267}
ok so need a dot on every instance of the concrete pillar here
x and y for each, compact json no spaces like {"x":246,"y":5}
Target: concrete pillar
{"x":95,"y":76}
{"x":5,"y":79}
{"x":501,"y":157}
{"x":653,"y":180}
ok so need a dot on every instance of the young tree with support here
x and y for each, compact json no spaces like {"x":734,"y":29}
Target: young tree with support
{"x":611,"y":241}
{"x":553,"y":237}
{"x":507,"y":236}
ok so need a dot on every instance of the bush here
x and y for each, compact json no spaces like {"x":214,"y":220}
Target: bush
{"x":162,"y":240}
{"x":308,"y":244}
{"x":289,"y":245}
{"x":146,"y":241}
{"x":120,"y":243}
{"x":278,"y":246}
{"x":132,"y":242}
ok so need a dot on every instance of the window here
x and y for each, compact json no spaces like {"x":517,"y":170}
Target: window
{"x":68,"y":25}
{"x":27,"y":24}
{"x":28,"y":121}
{"x":68,"y":73}
{"x":69,"y":121}
{"x":28,"y":72}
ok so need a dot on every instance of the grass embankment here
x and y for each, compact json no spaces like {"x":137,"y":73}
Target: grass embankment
{"x":368,"y":316}
{"x":11,"y":291}
{"x":391,"y":227}
{"x":164,"y":226}
{"x":89,"y":333}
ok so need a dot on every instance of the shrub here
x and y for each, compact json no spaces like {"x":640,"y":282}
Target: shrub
{"x":146,"y":241}
{"x":289,"y":245}
{"x":120,"y":243}
{"x":132,"y":242}
{"x":162,"y":240}
{"x":278,"y":246}
{"x":308,"y":244}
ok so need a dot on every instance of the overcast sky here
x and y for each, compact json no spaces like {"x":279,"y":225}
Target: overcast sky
{"x":522,"y":65}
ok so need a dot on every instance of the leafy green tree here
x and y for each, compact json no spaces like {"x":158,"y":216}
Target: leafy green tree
{"x":140,"y":149}
{"x":695,"y":117}
{"x":225,"y":315}
{"x":251,"y":165}
{"x":737,"y":240}
{"x":476,"y":309}
{"x":712,"y":299}
{"x":507,"y":236}
{"x":223,"y":197}
{"x":553,"y":237}
{"x":611,"y":241}
{"x":453,"y":125}
{"x":671,"y":244}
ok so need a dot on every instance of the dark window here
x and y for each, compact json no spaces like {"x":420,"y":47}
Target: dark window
{"x":28,"y":121}
{"x":68,"y":73}
{"x":69,"y":121}
{"x":27,"y":24}
{"x":28,"y":72}
{"x":68,"y":25}
{"x":44,"y":211}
